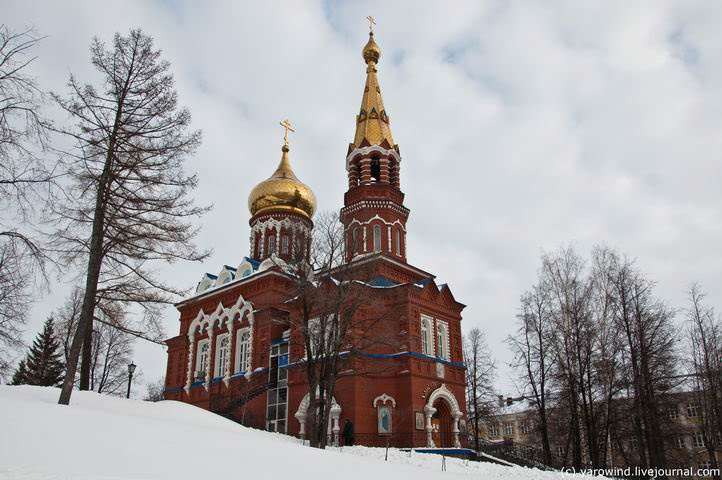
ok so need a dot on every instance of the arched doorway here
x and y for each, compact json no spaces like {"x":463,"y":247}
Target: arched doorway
{"x":442,"y":415}
{"x":333,"y":425}
{"x":441,"y":425}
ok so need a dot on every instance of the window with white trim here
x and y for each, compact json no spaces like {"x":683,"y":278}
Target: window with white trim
{"x":698,"y":440}
{"x":427,"y":341}
{"x":693,"y":410}
{"x":508,"y":429}
{"x":398,"y":242}
{"x":222,"y":343}
{"x":377,"y":238}
{"x":442,"y":339}
{"x":243,"y":350}
{"x":493,"y":430}
{"x":284,"y":245}
{"x":202,"y":359}
{"x":271,"y":244}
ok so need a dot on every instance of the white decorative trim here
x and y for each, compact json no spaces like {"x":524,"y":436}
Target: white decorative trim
{"x":366,"y":151}
{"x":443,"y":392}
{"x":431,"y":334}
{"x":333,"y":426}
{"x":355,"y":207}
{"x":445,"y":326}
{"x":376,"y":218}
{"x":383,"y":398}
{"x":203,"y":321}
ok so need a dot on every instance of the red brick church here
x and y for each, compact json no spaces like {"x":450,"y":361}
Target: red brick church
{"x":239,"y":354}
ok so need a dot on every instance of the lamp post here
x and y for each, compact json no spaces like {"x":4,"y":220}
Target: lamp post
{"x":131,"y":369}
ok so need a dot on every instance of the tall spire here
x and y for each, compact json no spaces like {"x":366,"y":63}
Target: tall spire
{"x":372,"y":122}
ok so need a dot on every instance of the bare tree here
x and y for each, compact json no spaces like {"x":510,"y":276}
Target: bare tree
{"x":25,"y":181}
{"x":337,"y":316}
{"x":480,"y":373}
{"x":130,"y":203}
{"x":154,"y":390}
{"x":648,"y":347}
{"x":534,"y":357}
{"x":704,"y":339}
{"x":111,"y":347}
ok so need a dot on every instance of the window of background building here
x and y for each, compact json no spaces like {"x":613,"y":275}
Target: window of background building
{"x":693,"y":410}
{"x":508,"y":429}
{"x":698,"y":440}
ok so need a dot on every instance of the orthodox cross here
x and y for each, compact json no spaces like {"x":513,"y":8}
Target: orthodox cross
{"x":372,"y":22}
{"x":287,"y":126}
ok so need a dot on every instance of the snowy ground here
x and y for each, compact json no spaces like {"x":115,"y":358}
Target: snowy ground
{"x":104,"y":438}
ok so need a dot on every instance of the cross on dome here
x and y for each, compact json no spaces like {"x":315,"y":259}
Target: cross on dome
{"x":286,"y":126}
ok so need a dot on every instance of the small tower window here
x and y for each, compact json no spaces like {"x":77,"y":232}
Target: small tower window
{"x":398,"y":242}
{"x":375,"y":170}
{"x":377,"y":238}
{"x":284,"y":245}
{"x":271,"y":244}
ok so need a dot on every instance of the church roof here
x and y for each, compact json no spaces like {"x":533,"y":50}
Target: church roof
{"x":373,"y":126}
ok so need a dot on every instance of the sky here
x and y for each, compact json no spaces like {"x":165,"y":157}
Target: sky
{"x":523,"y":126}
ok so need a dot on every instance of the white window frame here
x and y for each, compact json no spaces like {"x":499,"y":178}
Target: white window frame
{"x":693,"y":410}
{"x":221,"y":356}
{"x":427,"y":335}
{"x":285,"y":242}
{"x":203,"y":357}
{"x":271,"y":245}
{"x":442,"y":339}
{"x":243,"y":348}
{"x":697,"y":440}
{"x":493,"y":430}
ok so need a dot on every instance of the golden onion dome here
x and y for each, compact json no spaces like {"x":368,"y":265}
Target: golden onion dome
{"x":371,"y":51}
{"x":282,"y":191}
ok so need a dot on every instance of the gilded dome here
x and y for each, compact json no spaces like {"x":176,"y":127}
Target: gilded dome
{"x":371,"y":51}
{"x":282,"y":191}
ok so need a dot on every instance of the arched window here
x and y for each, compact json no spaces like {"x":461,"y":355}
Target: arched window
{"x":271,"y":245}
{"x":243,"y":350}
{"x":442,"y":339}
{"x":427,"y":346}
{"x":221,"y":355}
{"x":202,"y":359}
{"x":284,"y":245}
{"x":377,"y":238}
{"x":398,"y":242}
{"x":375,"y":171}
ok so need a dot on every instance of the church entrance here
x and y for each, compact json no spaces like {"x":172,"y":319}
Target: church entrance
{"x":441,"y":429}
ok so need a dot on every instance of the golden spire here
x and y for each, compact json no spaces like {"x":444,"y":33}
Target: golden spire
{"x":283,"y":190}
{"x":372,"y":122}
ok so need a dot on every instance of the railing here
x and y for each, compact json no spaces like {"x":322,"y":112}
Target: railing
{"x":240,"y":392}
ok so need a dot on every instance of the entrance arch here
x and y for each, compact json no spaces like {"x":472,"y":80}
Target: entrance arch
{"x":333,"y":424}
{"x":444,"y":400}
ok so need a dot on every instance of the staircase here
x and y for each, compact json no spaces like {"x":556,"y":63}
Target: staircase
{"x":240,"y":392}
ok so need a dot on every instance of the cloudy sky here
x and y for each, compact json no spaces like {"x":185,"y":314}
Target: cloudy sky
{"x":522,"y":126}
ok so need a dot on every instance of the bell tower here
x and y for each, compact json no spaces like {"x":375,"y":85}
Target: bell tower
{"x":374,"y":216}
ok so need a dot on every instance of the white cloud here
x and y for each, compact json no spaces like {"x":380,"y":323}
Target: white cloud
{"x":522,"y":126}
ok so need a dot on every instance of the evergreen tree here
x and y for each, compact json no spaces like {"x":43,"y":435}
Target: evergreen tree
{"x":20,"y":377}
{"x":44,"y":365}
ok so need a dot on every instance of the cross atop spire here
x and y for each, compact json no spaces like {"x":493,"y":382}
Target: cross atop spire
{"x":287,"y":126}
{"x":372,"y":22}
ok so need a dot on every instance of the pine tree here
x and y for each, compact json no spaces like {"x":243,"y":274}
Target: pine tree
{"x":20,"y":377}
{"x":44,"y":364}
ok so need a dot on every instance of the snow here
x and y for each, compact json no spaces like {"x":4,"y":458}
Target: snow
{"x":107,"y":438}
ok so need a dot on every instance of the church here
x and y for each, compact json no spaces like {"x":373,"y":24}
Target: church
{"x":239,"y":351}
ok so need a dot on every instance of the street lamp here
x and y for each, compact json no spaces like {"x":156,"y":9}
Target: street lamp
{"x":131,"y":369}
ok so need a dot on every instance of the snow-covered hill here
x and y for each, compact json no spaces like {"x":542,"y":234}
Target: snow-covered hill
{"x":103,"y":438}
